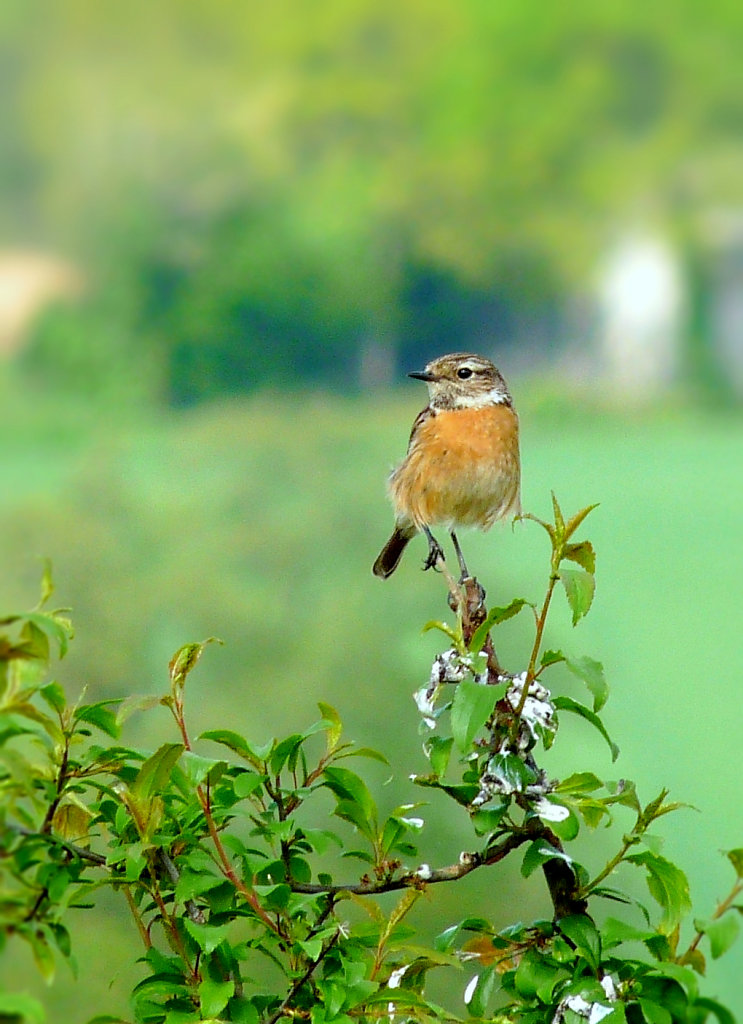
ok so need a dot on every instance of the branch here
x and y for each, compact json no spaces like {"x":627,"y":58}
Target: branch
{"x":423,"y":876}
{"x":304,"y":978}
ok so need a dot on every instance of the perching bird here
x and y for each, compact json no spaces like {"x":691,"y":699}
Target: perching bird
{"x":462,"y":467}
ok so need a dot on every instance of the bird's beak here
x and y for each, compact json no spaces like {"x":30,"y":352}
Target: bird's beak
{"x":425,"y":375}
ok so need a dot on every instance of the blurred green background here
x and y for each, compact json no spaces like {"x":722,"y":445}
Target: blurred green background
{"x":227,"y":229}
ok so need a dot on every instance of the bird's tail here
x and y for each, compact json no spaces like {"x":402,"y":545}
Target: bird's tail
{"x":391,"y":553}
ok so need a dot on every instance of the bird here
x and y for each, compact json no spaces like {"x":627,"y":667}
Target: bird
{"x":463,"y":466}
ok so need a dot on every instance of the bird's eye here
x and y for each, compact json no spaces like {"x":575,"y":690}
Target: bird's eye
{"x":464,"y":372}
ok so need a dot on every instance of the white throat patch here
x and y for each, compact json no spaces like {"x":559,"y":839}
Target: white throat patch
{"x":496,"y":396}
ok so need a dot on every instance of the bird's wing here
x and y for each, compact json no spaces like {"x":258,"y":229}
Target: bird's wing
{"x":423,"y":417}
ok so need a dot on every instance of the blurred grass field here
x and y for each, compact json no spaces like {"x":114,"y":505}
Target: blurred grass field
{"x":257,"y":521}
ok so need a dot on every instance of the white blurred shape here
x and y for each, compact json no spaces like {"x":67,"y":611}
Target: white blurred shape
{"x":641,"y":297}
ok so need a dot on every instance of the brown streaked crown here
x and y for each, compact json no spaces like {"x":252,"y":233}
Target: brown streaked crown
{"x":464,"y":380}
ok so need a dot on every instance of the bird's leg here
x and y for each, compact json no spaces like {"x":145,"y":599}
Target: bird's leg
{"x":472,"y":588}
{"x":435,"y":551}
{"x":460,"y":558}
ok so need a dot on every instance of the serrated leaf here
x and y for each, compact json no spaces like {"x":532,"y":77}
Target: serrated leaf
{"x":574,"y":522}
{"x":583,"y":554}
{"x":472,"y":706}
{"x":592,"y":674}
{"x":568,"y":704}
{"x":551,"y":658}
{"x":579,"y":589}
{"x":558,"y":517}
{"x":668,"y":886}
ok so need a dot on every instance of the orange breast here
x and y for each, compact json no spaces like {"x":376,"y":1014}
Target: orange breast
{"x":462,"y":469}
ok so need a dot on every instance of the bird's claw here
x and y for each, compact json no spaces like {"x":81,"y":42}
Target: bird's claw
{"x":435,"y":552}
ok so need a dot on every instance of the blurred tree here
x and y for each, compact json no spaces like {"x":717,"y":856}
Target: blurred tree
{"x":263,"y":183}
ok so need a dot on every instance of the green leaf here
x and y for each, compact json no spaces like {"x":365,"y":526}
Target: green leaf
{"x":43,"y":956}
{"x":683,"y":976}
{"x":472,"y":706}
{"x":237,"y":743}
{"x":198,"y":768}
{"x":454,"y":635}
{"x":55,"y":626}
{"x":286,"y":750}
{"x":486,"y":821}
{"x":568,"y":704}
{"x":579,"y":588}
{"x":480,"y":996}
{"x":668,"y":885}
{"x":54,"y":695}
{"x":721,"y":933}
{"x":373,"y":755}
{"x":538,"y":853}
{"x":246,"y":783}
{"x":185,"y":659}
{"x":579,"y":782}
{"x":574,"y":522}
{"x":100,"y":715}
{"x":583,"y":554}
{"x":551,"y":658}
{"x":724,"y":1016}
{"x":438,"y":751}
{"x":207,"y":936}
{"x":494,"y":618}
{"x":155,"y":772}
{"x":581,"y":930}
{"x":614,"y":932}
{"x":335,"y":726}
{"x":736,"y":859}
{"x":653,"y":1012}
{"x":536,"y":977}
{"x":213,"y":996}
{"x":592,"y":674}
{"x":558,"y":516}
{"x":348,"y":787}
{"x":21,"y":1009}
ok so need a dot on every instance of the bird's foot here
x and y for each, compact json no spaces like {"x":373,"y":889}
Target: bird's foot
{"x":435,"y":552}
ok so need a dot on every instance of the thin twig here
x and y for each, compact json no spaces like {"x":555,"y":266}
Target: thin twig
{"x":303,"y":978}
